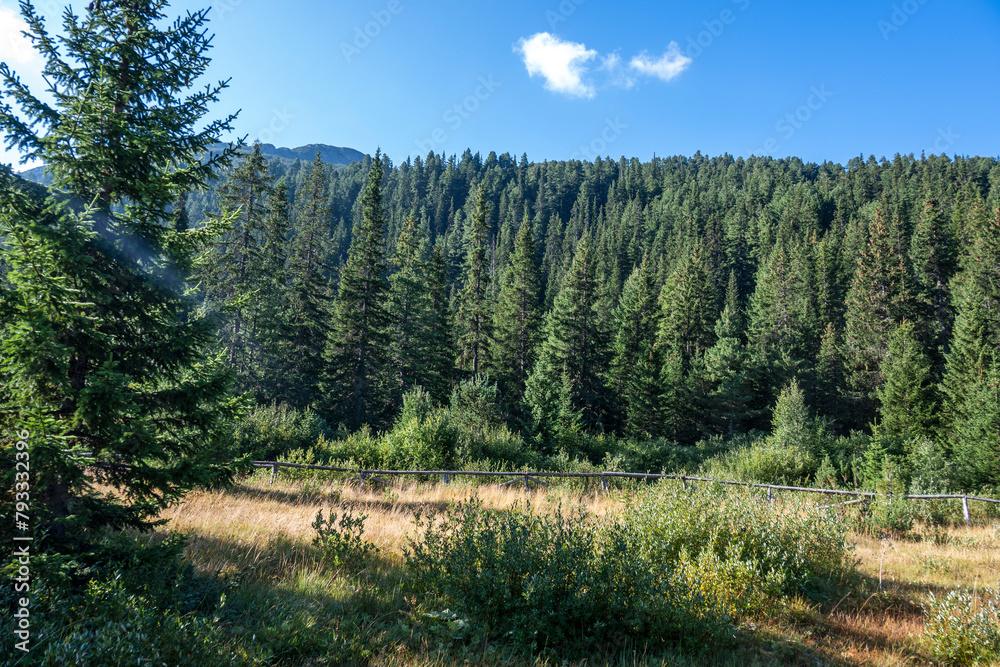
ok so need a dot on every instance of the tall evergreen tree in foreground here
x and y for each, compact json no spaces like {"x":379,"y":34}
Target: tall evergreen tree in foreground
{"x":409,"y":312}
{"x":104,"y":352}
{"x":359,"y":352}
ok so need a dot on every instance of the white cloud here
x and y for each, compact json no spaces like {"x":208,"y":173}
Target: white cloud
{"x":563,"y":64}
{"x":666,"y":67}
{"x":617,"y":72}
{"x":15,"y":48}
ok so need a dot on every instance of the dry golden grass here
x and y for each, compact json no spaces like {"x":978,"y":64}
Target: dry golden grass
{"x":266,"y":528}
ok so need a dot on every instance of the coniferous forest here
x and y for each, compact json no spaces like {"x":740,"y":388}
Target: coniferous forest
{"x":671,"y":303}
{"x":173,"y":309}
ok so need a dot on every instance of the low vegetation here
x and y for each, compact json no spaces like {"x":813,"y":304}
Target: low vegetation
{"x":316,"y":570}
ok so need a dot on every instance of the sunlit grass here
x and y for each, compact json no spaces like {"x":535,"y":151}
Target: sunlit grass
{"x":259,"y":535}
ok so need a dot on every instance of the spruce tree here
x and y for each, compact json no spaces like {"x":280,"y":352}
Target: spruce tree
{"x":727,"y":385}
{"x":879,"y":299}
{"x":518,"y":316}
{"x":309,"y":290}
{"x":358,"y":353}
{"x":474,"y":317}
{"x":977,"y":444}
{"x":440,"y":343}
{"x":933,"y":253}
{"x":907,"y":401}
{"x":105,"y":352}
{"x":232,"y":268}
{"x":634,"y":375}
{"x":575,"y":346}
{"x":409,"y":312}
{"x":688,"y":303}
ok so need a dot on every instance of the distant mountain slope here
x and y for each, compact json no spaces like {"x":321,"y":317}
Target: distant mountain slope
{"x":331,"y":155}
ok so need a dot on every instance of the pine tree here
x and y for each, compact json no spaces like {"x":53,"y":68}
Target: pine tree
{"x":440,"y":343}
{"x":409,"y":312}
{"x":932,"y":251}
{"x":907,"y":397}
{"x":518,"y":319}
{"x":635,"y":365}
{"x":728,"y":387}
{"x":105,"y":353}
{"x":232,"y":269}
{"x":474,"y":317}
{"x":358,"y":352}
{"x":688,"y":306}
{"x":977,"y":446}
{"x":879,"y":299}
{"x":309,"y":293}
{"x":575,"y":346}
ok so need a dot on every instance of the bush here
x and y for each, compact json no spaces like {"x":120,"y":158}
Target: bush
{"x":421,"y":444}
{"x":962,"y":628}
{"x":111,"y":626}
{"x":790,"y":545}
{"x":562,"y":580}
{"x":270,"y":431}
{"x":341,"y":542}
{"x":766,"y":461}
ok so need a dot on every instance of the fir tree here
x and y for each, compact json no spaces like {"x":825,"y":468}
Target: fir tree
{"x":518,"y":317}
{"x":879,"y":299}
{"x":358,"y":352}
{"x":309,"y":298}
{"x":474,"y":318}
{"x":728,"y":387}
{"x":635,"y":365}
{"x":907,"y":396}
{"x":977,"y":445}
{"x":105,"y":353}
{"x":932,"y":250}
{"x":575,"y":346}
{"x":409,"y":312}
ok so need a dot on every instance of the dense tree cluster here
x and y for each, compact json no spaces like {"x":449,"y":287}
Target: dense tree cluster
{"x":675,"y":298}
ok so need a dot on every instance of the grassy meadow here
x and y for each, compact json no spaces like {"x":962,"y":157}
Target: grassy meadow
{"x":287,"y":604}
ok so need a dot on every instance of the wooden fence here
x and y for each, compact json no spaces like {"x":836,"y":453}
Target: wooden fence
{"x":535,"y":477}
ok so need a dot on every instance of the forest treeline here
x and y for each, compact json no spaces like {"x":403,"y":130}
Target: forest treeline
{"x":675,"y":299}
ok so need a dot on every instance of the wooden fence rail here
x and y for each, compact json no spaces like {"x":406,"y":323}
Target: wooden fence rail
{"x":535,"y":477}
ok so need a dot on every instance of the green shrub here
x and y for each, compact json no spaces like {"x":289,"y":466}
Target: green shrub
{"x":270,"y":431}
{"x":789,"y":543}
{"x":112,"y":626}
{"x":421,"y":444}
{"x":560,"y":580}
{"x":766,"y":461}
{"x":341,"y":541}
{"x":963,"y":628}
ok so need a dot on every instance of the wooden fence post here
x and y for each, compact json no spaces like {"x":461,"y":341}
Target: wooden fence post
{"x":965,"y":511}
{"x":274,"y":471}
{"x":604,"y":482}
{"x":444,"y":478}
{"x":684,"y":482}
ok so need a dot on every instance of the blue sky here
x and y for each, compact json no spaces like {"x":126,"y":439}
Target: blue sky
{"x":575,"y":78}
